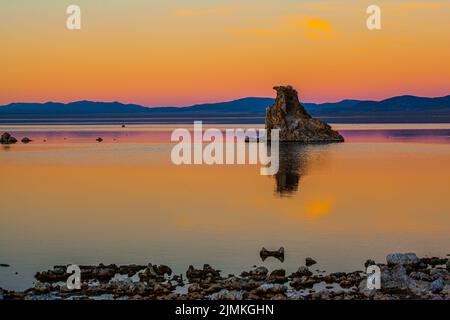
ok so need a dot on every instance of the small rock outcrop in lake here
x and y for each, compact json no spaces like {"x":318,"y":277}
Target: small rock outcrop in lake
{"x":7,"y":138}
{"x":295,"y":124}
{"x":196,"y":275}
{"x":279,"y":254}
{"x":26,"y":140}
{"x":310,"y":261}
{"x":99,"y":139}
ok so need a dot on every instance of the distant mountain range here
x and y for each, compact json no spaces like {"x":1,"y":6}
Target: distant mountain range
{"x":396,"y":109}
{"x":240,"y":106}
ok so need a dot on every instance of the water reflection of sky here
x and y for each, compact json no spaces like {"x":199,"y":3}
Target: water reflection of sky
{"x":398,"y":135}
{"x":161,"y":133}
{"x":122,"y":203}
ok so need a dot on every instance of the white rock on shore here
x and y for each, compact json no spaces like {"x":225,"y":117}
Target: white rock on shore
{"x":402,"y":259}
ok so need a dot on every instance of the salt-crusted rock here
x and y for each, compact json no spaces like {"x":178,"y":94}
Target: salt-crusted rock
{"x":295,"y":124}
{"x":402,"y":259}
{"x":394,"y":279}
{"x":437,"y":273}
{"x":225,"y":294}
{"x":271,"y":288}
{"x":437,"y":285}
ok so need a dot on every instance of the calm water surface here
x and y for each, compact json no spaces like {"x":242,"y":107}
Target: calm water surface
{"x":72,"y":200}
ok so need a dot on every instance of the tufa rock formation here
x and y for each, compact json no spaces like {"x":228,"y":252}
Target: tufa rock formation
{"x":26,"y":140}
{"x":279,"y":254}
{"x":295,"y":124}
{"x":6,"y":138}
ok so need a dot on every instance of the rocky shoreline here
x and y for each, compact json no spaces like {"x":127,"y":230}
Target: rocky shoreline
{"x":403,"y":276}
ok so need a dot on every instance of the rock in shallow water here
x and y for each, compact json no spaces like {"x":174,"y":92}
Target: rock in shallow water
{"x":302,"y":272}
{"x":258,"y":273}
{"x":279,"y":254}
{"x":195,"y":275}
{"x":7,"y":138}
{"x":420,"y":276}
{"x":271,"y":288}
{"x":295,"y":124}
{"x":310,"y":261}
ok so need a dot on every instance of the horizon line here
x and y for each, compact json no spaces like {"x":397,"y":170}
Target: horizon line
{"x":226,"y":101}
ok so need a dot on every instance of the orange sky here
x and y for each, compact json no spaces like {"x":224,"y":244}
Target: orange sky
{"x":182,"y":52}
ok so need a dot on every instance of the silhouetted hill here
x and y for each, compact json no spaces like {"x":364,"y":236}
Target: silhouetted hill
{"x":401,"y":104}
{"x":245,"y":105}
{"x":240,"y":106}
{"x":78,"y":107}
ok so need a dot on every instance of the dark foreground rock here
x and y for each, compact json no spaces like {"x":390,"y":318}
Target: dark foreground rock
{"x":310,"y":261}
{"x":295,"y":124}
{"x":7,"y":138}
{"x":279,"y":254}
{"x":404,"y":277}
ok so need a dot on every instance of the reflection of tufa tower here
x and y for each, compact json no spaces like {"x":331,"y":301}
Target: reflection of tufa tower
{"x":293,"y":165}
{"x":295,"y":160}
{"x":295,"y":124}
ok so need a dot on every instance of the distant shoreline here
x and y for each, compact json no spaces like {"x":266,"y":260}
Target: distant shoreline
{"x":400,"y":109}
{"x":207,"y":119}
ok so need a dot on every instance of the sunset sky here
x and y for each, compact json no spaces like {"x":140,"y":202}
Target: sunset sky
{"x":181,"y":52}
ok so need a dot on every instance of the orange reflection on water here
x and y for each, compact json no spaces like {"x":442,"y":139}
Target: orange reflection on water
{"x":126,"y":203}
